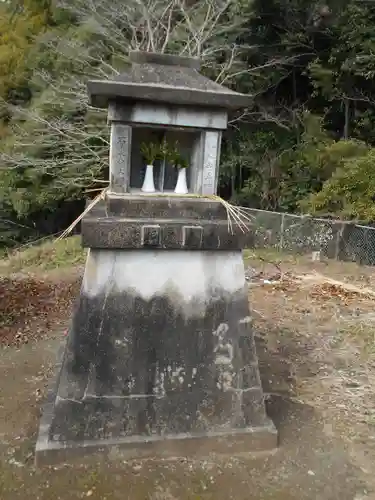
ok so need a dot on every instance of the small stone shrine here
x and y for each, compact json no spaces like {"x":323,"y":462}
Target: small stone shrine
{"x":160,"y":357}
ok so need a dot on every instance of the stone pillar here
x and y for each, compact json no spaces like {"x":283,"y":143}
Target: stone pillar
{"x":160,"y":358}
{"x":120,"y":154}
{"x":211,"y":158}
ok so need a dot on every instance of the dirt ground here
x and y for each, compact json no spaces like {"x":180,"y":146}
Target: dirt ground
{"x":316,"y":347}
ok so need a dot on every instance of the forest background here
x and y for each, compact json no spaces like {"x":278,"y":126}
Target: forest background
{"x":306,"y":144}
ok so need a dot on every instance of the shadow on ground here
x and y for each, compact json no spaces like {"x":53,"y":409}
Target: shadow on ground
{"x":309,"y":464}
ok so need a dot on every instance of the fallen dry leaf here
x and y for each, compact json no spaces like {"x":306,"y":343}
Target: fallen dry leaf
{"x":30,"y":305}
{"x":325,"y":290}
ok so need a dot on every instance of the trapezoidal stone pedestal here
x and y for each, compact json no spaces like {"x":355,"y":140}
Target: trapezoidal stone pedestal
{"x":160,"y":360}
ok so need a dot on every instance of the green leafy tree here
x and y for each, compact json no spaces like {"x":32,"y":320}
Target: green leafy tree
{"x":342,"y":74}
{"x":58,"y":144}
{"x":350,"y":192}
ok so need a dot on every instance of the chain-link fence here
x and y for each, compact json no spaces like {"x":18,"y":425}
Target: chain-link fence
{"x":304,"y":234}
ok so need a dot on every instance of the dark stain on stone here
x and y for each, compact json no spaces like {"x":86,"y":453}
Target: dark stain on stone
{"x":193,"y":236}
{"x":137,"y":367}
{"x":151,"y":236}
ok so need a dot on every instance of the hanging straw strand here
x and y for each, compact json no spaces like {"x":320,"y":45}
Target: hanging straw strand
{"x":236,"y":215}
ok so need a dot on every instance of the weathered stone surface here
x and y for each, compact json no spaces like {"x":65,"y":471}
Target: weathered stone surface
{"x":192,"y":236}
{"x":240,"y":441}
{"x":165,"y":78}
{"x":151,"y":235}
{"x":119,"y":159}
{"x":185,"y":224}
{"x":250,"y":376}
{"x":253,"y":407}
{"x":123,"y":233}
{"x":210,"y":172}
{"x":147,"y":113}
{"x":177,"y":413}
{"x":160,"y":346}
{"x":161,"y":207}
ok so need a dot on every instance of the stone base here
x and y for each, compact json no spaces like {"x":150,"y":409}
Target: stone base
{"x":239,"y":442}
{"x":164,"y":223}
{"x":160,"y":359}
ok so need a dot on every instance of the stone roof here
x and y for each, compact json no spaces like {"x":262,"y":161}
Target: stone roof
{"x":164,"y":78}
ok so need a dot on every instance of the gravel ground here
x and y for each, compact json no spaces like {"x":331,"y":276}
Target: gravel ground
{"x":316,"y":358}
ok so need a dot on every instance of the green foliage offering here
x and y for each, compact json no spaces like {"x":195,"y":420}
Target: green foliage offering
{"x":151,"y":152}
{"x":175,"y":157}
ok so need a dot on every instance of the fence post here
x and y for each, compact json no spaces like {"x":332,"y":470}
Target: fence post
{"x":281,"y":244}
{"x":338,"y":240}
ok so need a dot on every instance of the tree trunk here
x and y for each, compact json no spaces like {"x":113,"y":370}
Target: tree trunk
{"x":346,"y":124}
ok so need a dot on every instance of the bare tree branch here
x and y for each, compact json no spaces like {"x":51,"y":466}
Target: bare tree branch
{"x":72,"y":142}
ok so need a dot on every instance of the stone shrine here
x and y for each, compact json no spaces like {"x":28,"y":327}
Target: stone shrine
{"x":160,"y":357}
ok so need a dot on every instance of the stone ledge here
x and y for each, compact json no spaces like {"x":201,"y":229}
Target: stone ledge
{"x":101,"y":92}
{"x":122,"y":233}
{"x":163,"y":207}
{"x":246,"y":441}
